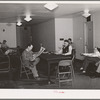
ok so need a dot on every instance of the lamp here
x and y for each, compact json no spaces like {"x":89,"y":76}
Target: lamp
{"x":51,"y":6}
{"x":19,"y":23}
{"x":28,"y":18}
{"x":86,"y":13}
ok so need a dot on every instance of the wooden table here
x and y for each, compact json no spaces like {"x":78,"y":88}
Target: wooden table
{"x":53,"y":58}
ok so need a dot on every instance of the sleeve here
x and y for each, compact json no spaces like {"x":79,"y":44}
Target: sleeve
{"x":60,"y":51}
{"x":98,"y":69}
{"x":70,"y":51}
{"x":73,"y":46}
{"x":27,"y":56}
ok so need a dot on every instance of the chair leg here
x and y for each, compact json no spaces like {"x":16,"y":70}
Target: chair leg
{"x":59,"y":82}
{"x":73,"y":77}
{"x":10,"y":75}
{"x":26,"y":73}
{"x":20,"y":72}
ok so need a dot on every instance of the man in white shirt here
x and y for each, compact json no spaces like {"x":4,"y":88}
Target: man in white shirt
{"x":71,"y":43}
{"x":66,"y":49}
{"x":94,"y":57}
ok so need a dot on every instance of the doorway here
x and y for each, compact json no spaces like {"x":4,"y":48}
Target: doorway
{"x":88,"y":37}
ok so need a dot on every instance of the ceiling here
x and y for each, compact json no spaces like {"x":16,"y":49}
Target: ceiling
{"x":10,"y":12}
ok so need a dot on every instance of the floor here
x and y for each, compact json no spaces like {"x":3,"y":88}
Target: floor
{"x":81,"y":81}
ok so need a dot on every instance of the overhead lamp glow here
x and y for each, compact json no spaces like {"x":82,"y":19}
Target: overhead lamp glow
{"x":28,"y":18}
{"x":19,"y":23}
{"x":86,"y":13}
{"x":51,"y":6}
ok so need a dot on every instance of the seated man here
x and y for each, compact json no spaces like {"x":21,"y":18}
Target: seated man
{"x":30,"y":59}
{"x":66,"y":49}
{"x":4,"y":46}
{"x":91,"y":57}
{"x":71,"y":43}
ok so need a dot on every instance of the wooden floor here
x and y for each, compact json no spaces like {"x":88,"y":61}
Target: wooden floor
{"x":81,"y":81}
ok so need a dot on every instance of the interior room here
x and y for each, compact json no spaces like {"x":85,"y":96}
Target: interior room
{"x":49,"y":24}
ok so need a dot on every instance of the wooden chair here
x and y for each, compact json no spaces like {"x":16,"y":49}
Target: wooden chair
{"x":25,"y":70}
{"x":5,"y":64}
{"x":65,"y":70}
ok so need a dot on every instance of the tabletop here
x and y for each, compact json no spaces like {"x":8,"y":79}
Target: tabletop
{"x":52,"y":56}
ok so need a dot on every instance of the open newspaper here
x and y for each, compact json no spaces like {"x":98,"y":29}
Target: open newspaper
{"x":36,"y":54}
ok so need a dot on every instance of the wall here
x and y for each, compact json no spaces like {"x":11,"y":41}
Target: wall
{"x":23,"y":35}
{"x":63,"y":29}
{"x":96,"y":28}
{"x":8,"y":32}
{"x":44,"y":33}
{"x":78,"y":36}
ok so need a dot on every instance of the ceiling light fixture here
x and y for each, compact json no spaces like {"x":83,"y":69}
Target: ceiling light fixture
{"x":51,"y":6}
{"x":28,"y":18}
{"x":19,"y":23}
{"x":86,"y":13}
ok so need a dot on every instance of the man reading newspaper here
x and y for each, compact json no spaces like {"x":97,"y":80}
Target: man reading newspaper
{"x":31,"y":59}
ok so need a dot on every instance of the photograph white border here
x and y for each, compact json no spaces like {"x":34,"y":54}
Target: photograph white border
{"x":50,"y":93}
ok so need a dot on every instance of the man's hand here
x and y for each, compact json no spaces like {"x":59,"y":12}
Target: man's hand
{"x":97,"y":63}
{"x":42,"y":49}
{"x":64,"y":54}
{"x":34,"y":56}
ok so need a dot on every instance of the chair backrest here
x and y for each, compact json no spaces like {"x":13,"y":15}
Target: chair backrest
{"x":21,"y":60}
{"x":22,"y":63}
{"x":73,"y":55}
{"x":1,"y":52}
{"x":5,"y":64}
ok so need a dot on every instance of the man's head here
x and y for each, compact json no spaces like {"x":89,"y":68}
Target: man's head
{"x":69,"y":40}
{"x":66,"y":43}
{"x":29,"y":46}
{"x":4,"y":41}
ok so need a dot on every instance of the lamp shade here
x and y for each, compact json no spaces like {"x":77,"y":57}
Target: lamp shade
{"x":19,"y":23}
{"x":86,"y":13}
{"x":28,"y":18}
{"x":51,"y":6}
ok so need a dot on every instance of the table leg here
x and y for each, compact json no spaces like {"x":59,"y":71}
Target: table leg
{"x":49,"y":79}
{"x":49,"y":73}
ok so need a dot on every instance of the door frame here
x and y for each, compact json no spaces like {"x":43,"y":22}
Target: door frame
{"x":86,"y":38}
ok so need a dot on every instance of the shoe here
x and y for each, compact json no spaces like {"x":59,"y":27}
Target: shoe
{"x":84,"y":71}
{"x":37,"y":78}
{"x":81,"y":68}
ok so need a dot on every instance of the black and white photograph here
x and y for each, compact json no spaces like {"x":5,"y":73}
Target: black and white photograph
{"x":50,"y":46}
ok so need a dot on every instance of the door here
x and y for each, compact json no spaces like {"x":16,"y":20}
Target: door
{"x":88,"y":37}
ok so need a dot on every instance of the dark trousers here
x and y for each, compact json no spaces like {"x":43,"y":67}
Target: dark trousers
{"x":88,"y":60}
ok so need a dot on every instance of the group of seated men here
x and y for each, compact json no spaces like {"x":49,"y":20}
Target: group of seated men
{"x":31,"y":59}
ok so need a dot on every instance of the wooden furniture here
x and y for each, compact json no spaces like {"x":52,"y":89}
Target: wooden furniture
{"x":25,"y":70}
{"x":5,"y":64}
{"x":65,"y":71}
{"x":52,"y":58}
{"x":10,"y":64}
